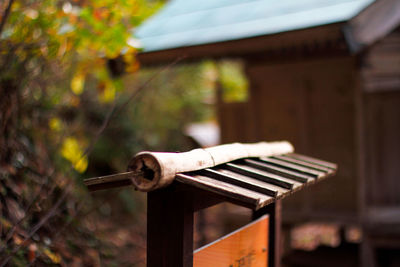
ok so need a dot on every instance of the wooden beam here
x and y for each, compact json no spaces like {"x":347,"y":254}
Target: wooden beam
{"x":169,"y":228}
{"x":373,"y":23}
{"x":324,"y":35}
{"x":275,"y":220}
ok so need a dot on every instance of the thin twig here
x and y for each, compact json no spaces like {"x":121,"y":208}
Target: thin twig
{"x":78,"y":213}
{"x":44,"y":219}
{"x":114,"y":111}
{"x":144,"y":85}
{"x":5,"y":15}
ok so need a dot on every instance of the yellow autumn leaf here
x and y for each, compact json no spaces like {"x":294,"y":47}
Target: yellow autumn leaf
{"x":55,"y":124}
{"x":132,"y":65}
{"x":71,"y":151}
{"x":108,"y":93}
{"x":55,"y":258}
{"x":81,"y":165}
{"x":78,"y":83}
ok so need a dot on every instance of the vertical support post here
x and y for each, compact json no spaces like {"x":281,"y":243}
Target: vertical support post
{"x":274,"y":240}
{"x":368,"y":255}
{"x":169,"y":228}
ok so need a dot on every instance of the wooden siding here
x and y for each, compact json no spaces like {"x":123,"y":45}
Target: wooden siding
{"x":381,"y":77}
{"x":381,"y":65}
{"x":311,"y":104}
{"x":382,"y":149}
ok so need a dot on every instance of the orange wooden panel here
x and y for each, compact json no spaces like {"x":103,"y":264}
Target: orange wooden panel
{"x":246,"y":247}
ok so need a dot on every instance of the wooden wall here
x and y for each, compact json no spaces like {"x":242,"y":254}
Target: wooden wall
{"x":345,"y":109}
{"x":382,"y":126}
{"x":380,"y":72}
{"x":311,"y":104}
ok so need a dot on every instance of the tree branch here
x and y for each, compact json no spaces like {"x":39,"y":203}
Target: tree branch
{"x":5,"y":15}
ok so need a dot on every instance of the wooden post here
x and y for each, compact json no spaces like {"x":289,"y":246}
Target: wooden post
{"x":274,"y":241}
{"x":169,"y":228}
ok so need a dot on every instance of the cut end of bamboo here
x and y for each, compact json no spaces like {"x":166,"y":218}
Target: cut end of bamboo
{"x":151,"y":170}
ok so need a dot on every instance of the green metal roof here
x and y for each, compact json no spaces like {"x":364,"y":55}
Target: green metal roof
{"x":184,"y":23}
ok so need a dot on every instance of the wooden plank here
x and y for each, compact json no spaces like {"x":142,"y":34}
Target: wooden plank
{"x":232,"y":193}
{"x":262,"y":176}
{"x":312,"y":160}
{"x":297,"y":176}
{"x":240,"y":180}
{"x":305,"y":164}
{"x":293,"y":167}
{"x":281,"y":191}
{"x":247,"y":246}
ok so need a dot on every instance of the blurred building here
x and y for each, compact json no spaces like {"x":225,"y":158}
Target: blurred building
{"x":324,"y":75}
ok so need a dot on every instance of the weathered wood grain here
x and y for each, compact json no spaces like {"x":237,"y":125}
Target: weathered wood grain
{"x":294,"y":167}
{"x":262,"y":176}
{"x":297,"y":176}
{"x":232,"y":193}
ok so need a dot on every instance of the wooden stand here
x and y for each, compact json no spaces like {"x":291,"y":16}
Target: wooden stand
{"x":170,"y":213}
{"x":179,"y":184}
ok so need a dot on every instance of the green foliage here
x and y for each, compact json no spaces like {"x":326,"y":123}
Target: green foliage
{"x":233,"y":81}
{"x":177,"y":97}
{"x":46,"y":43}
{"x":56,"y":88}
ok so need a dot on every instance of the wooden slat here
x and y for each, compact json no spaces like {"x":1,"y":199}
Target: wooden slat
{"x":109,"y":185}
{"x":281,"y":191}
{"x":265,"y":177}
{"x":293,"y":167}
{"x":296,"y":184}
{"x":244,"y":196}
{"x":111,"y":181}
{"x":110,"y":178}
{"x":242,"y":181}
{"x":304,"y":163}
{"x":297,"y":176}
{"x":312,"y":160}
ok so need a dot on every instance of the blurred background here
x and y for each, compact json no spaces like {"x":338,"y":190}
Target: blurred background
{"x":85,"y":85}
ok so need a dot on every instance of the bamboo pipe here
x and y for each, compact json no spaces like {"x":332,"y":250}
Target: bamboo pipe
{"x":158,"y":169}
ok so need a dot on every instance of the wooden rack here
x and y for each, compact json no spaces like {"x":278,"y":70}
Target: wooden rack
{"x":258,"y":183}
